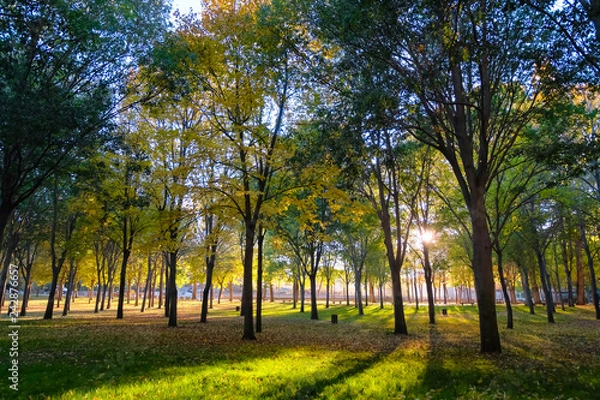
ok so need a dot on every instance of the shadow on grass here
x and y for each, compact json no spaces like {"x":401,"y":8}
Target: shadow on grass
{"x":530,"y":366}
{"x":56,"y":360}
{"x":314,"y":386}
{"x":116,"y":375}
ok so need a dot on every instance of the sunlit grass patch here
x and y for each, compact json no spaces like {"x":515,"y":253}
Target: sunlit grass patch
{"x":286,"y":374}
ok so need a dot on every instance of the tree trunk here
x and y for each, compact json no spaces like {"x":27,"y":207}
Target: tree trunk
{"x":395,"y":264}
{"x":104,"y":293}
{"x":314,"y":313}
{"x":111,"y":293}
{"x":210,"y":266}
{"x":580,"y":272}
{"x":167,"y":294}
{"x":428,"y":283}
{"x":172,"y":287}
{"x":507,"y":301}
{"x":327,"y":289}
{"x":588,"y":253}
{"x":52,"y":294}
{"x":400,"y":327}
{"x":26,"y":286}
{"x":259,"y":277}
{"x":70,"y":286}
{"x":558,"y":287}
{"x":138,"y":282}
{"x":148,"y":282}
{"x":98,"y":292}
{"x":153,"y":284}
{"x":295,"y":293}
{"x":366,"y":290}
{"x":483,"y":273}
{"x":247,"y":306}
{"x":347,"y":292}
{"x":60,"y":289}
{"x":57,"y":262}
{"x":123,"y":282}
{"x":302,"y":293}
{"x":358,"y":290}
{"x":535,"y":289}
{"x":415,"y":289}
{"x":161,"y":283}
{"x":545,"y":284}
{"x":567,"y":267}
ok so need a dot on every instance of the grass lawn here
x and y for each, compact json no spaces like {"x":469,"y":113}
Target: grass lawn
{"x":94,"y":356}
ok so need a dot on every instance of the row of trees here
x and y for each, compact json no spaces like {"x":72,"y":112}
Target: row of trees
{"x":458,"y":131}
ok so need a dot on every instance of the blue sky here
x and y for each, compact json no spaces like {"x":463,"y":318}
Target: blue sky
{"x":184,"y":5}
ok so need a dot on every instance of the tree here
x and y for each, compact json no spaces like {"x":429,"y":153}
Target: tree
{"x":307,"y":223}
{"x":64,"y":223}
{"x":328,"y":270}
{"x":373,"y":157}
{"x":538,"y":229}
{"x":228,"y":265}
{"x":357,"y":236}
{"x":424,"y":211}
{"x":590,"y":179}
{"x":214,"y":241}
{"x":172,"y":127}
{"x":62,"y":66}
{"x":379,"y":269}
{"x":123,"y":198}
{"x":577,"y":24}
{"x":29,"y":224}
{"x":459,"y":92}
{"x":245,"y":70}
{"x":521,"y":180}
{"x":585,"y":218}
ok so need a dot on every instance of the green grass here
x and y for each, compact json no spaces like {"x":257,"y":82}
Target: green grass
{"x":94,"y":356}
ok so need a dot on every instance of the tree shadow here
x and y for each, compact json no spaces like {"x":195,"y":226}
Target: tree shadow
{"x":523,"y":370}
{"x":444,"y":376}
{"x":317,"y":384}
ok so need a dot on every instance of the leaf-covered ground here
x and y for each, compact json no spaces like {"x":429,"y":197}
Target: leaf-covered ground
{"x":94,"y":356}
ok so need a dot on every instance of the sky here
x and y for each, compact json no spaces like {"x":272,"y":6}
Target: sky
{"x":184,"y":5}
